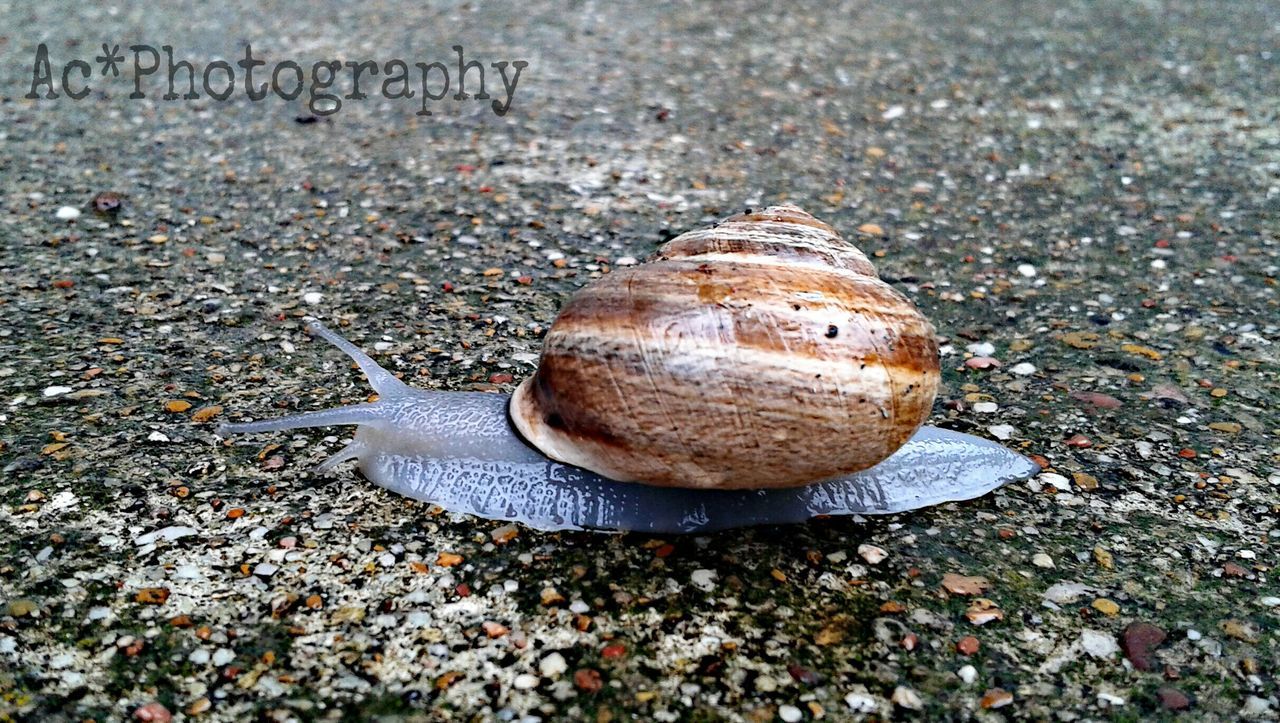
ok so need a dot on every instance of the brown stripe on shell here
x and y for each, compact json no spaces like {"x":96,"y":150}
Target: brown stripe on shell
{"x":758,"y":307}
{"x":783,"y":213}
{"x":740,"y":426}
{"x":784,"y":232}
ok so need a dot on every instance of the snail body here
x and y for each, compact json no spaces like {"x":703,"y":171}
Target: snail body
{"x":757,"y":372}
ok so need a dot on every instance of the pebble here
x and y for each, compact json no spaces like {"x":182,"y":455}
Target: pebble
{"x":1255,"y":707}
{"x":1023,"y":369}
{"x":55,"y":391}
{"x":996,"y":698}
{"x":704,"y":580}
{"x":965,"y":584}
{"x":1098,"y":644}
{"x":982,"y":362}
{"x":67,"y":213}
{"x":907,"y":698}
{"x":525,"y":681}
{"x":985,"y":407}
{"x":266,"y":569}
{"x":1269,"y":601}
{"x":1173,"y":699}
{"x":199,"y":656}
{"x":1042,"y":560}
{"x":222,"y":656}
{"x":1105,"y":606}
{"x":175,"y":532}
{"x":1064,"y":593}
{"x":981,"y":349}
{"x":552,"y":666}
{"x":313,"y":297}
{"x":1002,"y":431}
{"x":861,"y":703}
{"x":1110,"y":699}
{"x":22,"y":607}
{"x":1055,"y":479}
{"x":153,"y":713}
{"x":968,"y":674}
{"x":1138,"y":641}
{"x":872,"y":554}
{"x":1027,"y":270}
{"x":789,"y":713}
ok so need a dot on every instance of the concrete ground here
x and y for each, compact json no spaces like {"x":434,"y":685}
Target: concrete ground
{"x":1085,"y":192}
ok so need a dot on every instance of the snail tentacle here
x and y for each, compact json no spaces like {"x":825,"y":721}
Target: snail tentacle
{"x":355,"y":414}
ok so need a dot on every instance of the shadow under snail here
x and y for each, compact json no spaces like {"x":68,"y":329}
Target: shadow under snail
{"x":755,"y":372}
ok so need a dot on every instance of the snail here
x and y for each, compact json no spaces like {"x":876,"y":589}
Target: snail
{"x":755,"y":372}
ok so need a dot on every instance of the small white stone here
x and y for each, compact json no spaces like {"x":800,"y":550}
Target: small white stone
{"x":1002,"y":431}
{"x":1110,"y":699}
{"x":981,"y":348}
{"x":627,"y":261}
{"x":68,"y":213}
{"x":968,"y":674}
{"x":1064,"y":593}
{"x":187,"y":572}
{"x":1193,"y":635}
{"x":704,"y":580}
{"x":872,"y":554}
{"x":266,"y":569}
{"x":1023,"y":369}
{"x":577,"y":606}
{"x":174,"y":532}
{"x":985,"y":407}
{"x":199,"y":656}
{"x":1157,"y":264}
{"x":861,"y":703}
{"x":1055,"y":479}
{"x":524,"y":681}
{"x":1027,"y":270}
{"x":1255,"y":707}
{"x":1269,"y":601}
{"x":157,"y":437}
{"x":99,"y":613}
{"x":907,"y":698}
{"x":55,"y":391}
{"x":222,"y":656}
{"x":1098,"y":644}
{"x":789,"y":713}
{"x":1042,"y":560}
{"x":313,"y":297}
{"x":552,"y":666}
{"x":895,"y":111}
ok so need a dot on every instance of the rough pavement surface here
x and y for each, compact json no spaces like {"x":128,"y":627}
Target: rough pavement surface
{"x":1082,"y":196}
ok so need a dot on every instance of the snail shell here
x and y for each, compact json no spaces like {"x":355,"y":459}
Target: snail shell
{"x":762,"y":352}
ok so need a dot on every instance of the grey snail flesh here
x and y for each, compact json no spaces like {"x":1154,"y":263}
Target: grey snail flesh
{"x":460,"y":451}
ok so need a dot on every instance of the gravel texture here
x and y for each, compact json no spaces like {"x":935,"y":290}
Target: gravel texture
{"x":1083,"y":197}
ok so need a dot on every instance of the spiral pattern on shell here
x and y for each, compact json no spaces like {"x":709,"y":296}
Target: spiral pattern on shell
{"x":762,"y":352}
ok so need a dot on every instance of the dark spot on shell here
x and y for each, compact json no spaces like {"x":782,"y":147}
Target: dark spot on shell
{"x":832,"y":330}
